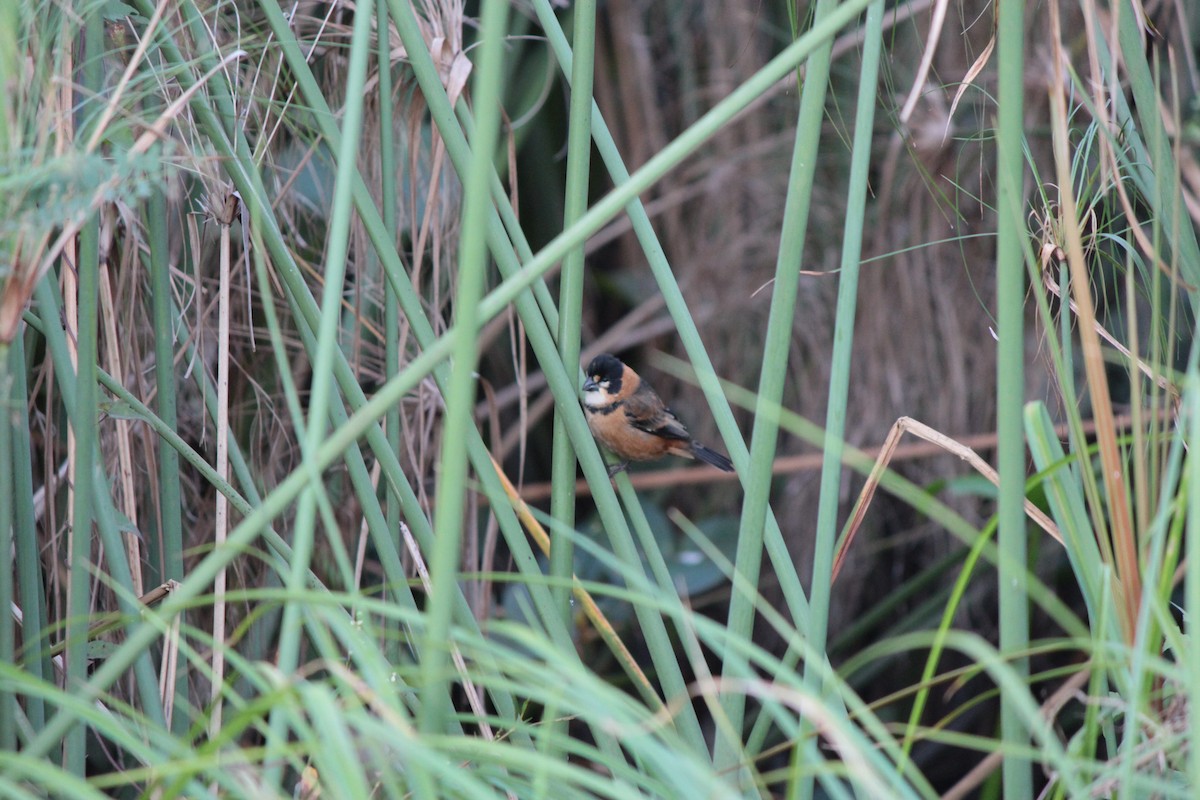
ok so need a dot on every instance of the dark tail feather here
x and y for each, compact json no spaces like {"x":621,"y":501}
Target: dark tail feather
{"x":711,"y":457}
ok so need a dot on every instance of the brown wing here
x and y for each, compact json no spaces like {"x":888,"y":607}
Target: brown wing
{"x":646,"y":412}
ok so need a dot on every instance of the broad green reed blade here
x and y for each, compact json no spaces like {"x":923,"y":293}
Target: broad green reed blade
{"x":35,"y":630}
{"x":1066,"y":499}
{"x":460,"y":395}
{"x":412,"y":305}
{"x":389,"y":188}
{"x":570,"y":309}
{"x":570,"y":302}
{"x":8,"y":628}
{"x":843,"y":334}
{"x":843,"y":340}
{"x":777,"y":343}
{"x":168,"y":545}
{"x":1011,"y":252}
{"x":1192,"y":575}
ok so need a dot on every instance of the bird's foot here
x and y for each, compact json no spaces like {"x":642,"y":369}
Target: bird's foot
{"x":616,"y":469}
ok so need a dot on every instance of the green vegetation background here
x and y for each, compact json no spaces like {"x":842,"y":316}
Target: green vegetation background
{"x":290,"y":332}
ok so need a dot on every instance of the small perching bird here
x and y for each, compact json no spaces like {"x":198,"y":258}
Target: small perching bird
{"x":630,"y":419}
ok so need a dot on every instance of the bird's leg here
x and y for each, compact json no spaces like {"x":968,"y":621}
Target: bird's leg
{"x":616,"y":469}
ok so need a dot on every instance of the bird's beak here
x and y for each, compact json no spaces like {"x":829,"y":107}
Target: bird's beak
{"x":589,"y":385}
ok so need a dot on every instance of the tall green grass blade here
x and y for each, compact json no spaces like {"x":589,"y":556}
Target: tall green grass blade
{"x":8,"y":628}
{"x":35,"y":633}
{"x":165,"y":549}
{"x":957,"y":594}
{"x":570,"y":302}
{"x":1010,"y":367}
{"x":777,"y":342}
{"x":460,"y":396}
{"x":843,"y":334}
{"x":389,"y":190}
{"x":1065,"y":496}
{"x":1191,"y":585}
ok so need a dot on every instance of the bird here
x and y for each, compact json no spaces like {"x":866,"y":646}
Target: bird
{"x":629,"y":418}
